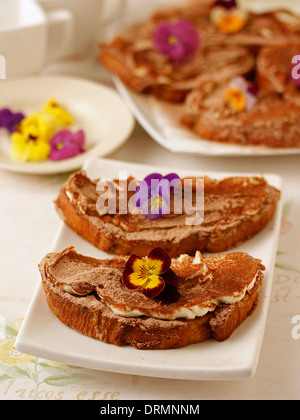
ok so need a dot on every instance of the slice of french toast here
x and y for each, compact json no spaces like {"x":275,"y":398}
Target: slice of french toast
{"x":274,"y":121}
{"x":235,"y":209}
{"x":213,"y":296}
{"x":145,"y":70}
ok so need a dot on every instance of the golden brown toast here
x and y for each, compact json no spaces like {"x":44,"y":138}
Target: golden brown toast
{"x":140,"y":66}
{"x":89,"y":296}
{"x":145,"y":70}
{"x":274,"y":121}
{"x":235,"y":209}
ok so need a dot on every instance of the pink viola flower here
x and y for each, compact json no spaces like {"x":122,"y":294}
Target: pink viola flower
{"x":10,"y":120}
{"x":66,"y":144}
{"x":178,"y":41}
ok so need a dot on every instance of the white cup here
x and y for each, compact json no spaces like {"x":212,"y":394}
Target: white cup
{"x":92,"y":19}
{"x":25,"y":41}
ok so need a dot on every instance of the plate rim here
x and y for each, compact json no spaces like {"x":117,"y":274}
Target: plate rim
{"x":240,"y":372}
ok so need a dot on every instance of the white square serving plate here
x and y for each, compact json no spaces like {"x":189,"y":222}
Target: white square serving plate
{"x":43,"y":335}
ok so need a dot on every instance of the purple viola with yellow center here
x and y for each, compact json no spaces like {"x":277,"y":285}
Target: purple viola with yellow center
{"x":154,"y":194}
{"x":151,"y":274}
{"x":178,"y":41}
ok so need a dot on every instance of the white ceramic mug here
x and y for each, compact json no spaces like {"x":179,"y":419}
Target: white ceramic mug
{"x":25,"y":41}
{"x":91,"y":20}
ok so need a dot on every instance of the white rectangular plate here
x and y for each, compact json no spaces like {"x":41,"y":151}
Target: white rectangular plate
{"x":43,"y":335}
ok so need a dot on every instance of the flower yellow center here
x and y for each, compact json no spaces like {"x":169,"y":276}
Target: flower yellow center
{"x":59,"y":146}
{"x":236,"y":99}
{"x":156,"y":203}
{"x":172,"y":40}
{"x":231,"y":23}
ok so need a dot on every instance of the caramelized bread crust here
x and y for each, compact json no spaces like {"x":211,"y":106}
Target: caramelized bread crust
{"x":90,"y":316}
{"x":223,"y":227}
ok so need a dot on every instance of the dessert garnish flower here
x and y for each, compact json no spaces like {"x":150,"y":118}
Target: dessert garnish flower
{"x":31,"y":141}
{"x":227,"y":17}
{"x":66,"y":144}
{"x":179,"y":41}
{"x":29,"y":148}
{"x":10,"y":120}
{"x":149,"y":275}
{"x":59,"y":115}
{"x":241,"y":95}
{"x":154,"y":193}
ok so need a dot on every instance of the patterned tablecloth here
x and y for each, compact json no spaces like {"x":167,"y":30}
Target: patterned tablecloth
{"x":28,"y":224}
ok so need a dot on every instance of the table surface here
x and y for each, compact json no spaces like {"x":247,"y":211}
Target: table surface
{"x":28,"y":225}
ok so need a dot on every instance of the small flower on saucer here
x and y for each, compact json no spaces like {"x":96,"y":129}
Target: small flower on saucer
{"x":149,"y":275}
{"x":38,"y":126}
{"x":227,"y":17}
{"x":10,"y":120}
{"x":179,"y":41}
{"x":60,"y":116}
{"x":153,"y":194}
{"x":241,"y":95}
{"x":31,"y":142}
{"x":66,"y":144}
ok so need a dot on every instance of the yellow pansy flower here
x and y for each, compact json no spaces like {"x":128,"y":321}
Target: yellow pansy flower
{"x":150,"y":274}
{"x":60,"y":116}
{"x":31,"y":142}
{"x":9,"y":356}
{"x":37,"y":125}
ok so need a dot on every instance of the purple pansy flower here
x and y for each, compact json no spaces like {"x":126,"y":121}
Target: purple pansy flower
{"x":66,"y":144}
{"x":153,"y":194}
{"x":177,"y":41}
{"x":10,"y":120}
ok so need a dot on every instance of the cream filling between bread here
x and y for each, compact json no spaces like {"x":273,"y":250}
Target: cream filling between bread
{"x":185,"y":312}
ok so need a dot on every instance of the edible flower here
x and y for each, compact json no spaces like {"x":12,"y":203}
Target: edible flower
{"x":241,"y":95}
{"x":31,"y":141}
{"x":178,"y":41}
{"x":227,"y":17}
{"x":60,"y":116}
{"x":149,"y":275}
{"x":153,"y":194}
{"x":29,"y":148}
{"x":10,"y":120}
{"x":66,"y":144}
{"x":36,"y":126}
